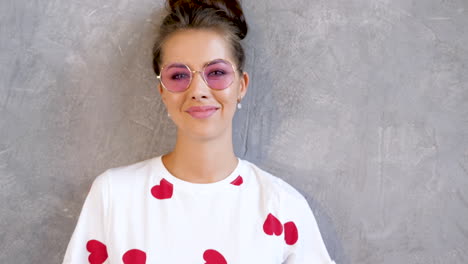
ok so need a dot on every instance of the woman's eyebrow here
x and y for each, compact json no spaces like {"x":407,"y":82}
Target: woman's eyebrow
{"x":181,"y":65}
{"x":176,"y":65}
{"x":215,"y":61}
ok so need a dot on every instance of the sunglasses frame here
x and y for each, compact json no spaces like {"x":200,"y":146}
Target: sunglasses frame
{"x":192,"y":74}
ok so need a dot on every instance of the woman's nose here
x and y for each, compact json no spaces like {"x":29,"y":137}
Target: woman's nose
{"x":198,"y":87}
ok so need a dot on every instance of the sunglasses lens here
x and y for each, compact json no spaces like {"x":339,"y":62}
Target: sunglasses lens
{"x":176,"y":77}
{"x":219,"y":74}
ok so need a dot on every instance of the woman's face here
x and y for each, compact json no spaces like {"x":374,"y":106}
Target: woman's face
{"x":195,"y":48}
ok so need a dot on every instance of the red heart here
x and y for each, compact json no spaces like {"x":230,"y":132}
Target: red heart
{"x":163,"y":190}
{"x":290,"y":233}
{"x":272,"y":226}
{"x":212,"y":256}
{"x":238,"y":181}
{"x":134,"y":256}
{"x":97,"y":250}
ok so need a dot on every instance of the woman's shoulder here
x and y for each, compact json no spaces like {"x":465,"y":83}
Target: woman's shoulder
{"x":126,"y":174}
{"x":272,"y":183}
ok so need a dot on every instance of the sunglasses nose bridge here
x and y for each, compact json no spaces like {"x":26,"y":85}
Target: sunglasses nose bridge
{"x":201,"y":75}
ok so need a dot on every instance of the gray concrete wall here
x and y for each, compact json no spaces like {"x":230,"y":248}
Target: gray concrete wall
{"x":360,"y":104}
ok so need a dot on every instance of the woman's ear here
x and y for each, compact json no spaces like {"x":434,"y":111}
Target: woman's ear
{"x":162,"y":92}
{"x":244,"y":84}
{"x":160,"y":88}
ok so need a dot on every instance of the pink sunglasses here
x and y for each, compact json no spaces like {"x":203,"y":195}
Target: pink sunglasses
{"x":218,"y":74}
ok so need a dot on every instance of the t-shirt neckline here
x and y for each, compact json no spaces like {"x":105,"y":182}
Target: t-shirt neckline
{"x":200,"y":187}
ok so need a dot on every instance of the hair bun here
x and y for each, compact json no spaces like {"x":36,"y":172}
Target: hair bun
{"x":231,"y":8}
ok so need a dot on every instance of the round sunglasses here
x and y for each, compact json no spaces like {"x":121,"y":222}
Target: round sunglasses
{"x":218,"y":74}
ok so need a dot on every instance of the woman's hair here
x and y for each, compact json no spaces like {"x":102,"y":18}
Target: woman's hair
{"x":225,"y":16}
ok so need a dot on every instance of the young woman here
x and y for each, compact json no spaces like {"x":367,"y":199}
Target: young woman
{"x":199,"y":203}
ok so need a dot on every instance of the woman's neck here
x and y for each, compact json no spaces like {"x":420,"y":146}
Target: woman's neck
{"x":201,"y":161}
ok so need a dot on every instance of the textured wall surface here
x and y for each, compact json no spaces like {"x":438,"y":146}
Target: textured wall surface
{"x":362,"y":105}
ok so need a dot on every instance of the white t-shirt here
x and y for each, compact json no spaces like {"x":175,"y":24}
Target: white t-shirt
{"x":140,"y":213}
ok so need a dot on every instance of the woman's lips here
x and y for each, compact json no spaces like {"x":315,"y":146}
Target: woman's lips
{"x":202,"y":111}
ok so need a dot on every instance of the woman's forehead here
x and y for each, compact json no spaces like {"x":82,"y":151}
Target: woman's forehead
{"x":195,"y":48}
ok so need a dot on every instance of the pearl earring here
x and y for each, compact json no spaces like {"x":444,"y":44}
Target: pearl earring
{"x":239,"y":106}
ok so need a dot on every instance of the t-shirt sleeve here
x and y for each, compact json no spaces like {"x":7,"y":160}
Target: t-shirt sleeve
{"x":309,"y":247}
{"x":88,"y":241}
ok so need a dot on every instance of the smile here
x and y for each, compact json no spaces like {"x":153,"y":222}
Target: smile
{"x":201,"y":112}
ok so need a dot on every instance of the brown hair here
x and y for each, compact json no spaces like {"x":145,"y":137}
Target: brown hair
{"x":224,"y":15}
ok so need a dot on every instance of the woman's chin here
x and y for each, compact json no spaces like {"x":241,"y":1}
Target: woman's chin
{"x":203,"y":133}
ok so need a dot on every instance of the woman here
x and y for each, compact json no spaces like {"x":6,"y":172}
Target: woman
{"x":198,"y":203}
